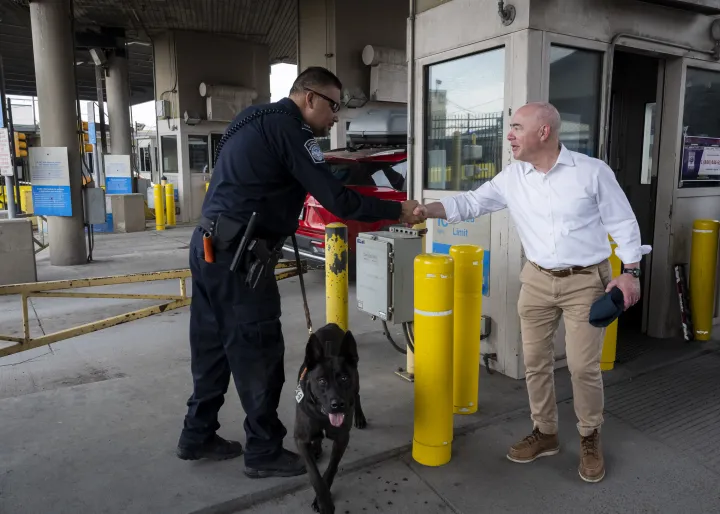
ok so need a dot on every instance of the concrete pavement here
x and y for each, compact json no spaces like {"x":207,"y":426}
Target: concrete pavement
{"x":91,"y":423}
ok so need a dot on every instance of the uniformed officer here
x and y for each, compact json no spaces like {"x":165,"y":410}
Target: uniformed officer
{"x":268,"y":161}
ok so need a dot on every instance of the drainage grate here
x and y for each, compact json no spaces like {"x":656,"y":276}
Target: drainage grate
{"x":630,"y":349}
{"x":677,"y":405}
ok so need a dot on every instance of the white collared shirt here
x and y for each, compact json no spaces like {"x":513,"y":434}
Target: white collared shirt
{"x":564,"y":216}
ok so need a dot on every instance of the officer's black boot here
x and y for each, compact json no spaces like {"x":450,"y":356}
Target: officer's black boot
{"x":216,"y":448}
{"x":288,"y":464}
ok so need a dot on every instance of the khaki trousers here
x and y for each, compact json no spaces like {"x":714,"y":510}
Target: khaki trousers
{"x":543,"y":299}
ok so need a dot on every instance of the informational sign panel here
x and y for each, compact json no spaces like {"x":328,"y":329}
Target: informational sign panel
{"x":472,"y":231}
{"x":118,"y":177}
{"x":50,"y":176}
{"x":92,"y":132}
{"x":701,"y":159}
{"x":6,"y":167}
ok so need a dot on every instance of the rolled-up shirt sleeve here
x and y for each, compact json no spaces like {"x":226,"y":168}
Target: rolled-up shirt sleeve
{"x":486,"y":199}
{"x":618,"y":217}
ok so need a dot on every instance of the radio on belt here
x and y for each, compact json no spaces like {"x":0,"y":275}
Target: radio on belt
{"x":385,"y":265}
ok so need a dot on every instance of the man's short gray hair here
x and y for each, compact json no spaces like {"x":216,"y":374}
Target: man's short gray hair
{"x":547,"y":114}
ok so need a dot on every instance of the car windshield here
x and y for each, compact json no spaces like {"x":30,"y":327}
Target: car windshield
{"x":376,"y":173}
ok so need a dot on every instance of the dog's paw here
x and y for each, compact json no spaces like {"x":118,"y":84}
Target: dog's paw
{"x":360,"y":422}
{"x":329,"y":508}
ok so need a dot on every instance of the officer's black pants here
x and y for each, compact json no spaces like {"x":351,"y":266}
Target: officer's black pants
{"x":234,"y":329}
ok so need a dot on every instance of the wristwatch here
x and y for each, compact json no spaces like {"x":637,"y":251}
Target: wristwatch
{"x":635,"y":272}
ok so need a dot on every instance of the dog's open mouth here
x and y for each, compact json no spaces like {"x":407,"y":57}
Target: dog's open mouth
{"x":336,"y":420}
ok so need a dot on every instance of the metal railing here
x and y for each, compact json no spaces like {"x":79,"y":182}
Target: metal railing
{"x":464,"y":150}
{"x":54,"y":289}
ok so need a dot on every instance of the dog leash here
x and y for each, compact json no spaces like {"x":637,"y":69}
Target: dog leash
{"x":302,"y":285}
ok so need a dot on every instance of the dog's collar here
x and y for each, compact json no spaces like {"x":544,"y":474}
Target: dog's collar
{"x":299,"y":393}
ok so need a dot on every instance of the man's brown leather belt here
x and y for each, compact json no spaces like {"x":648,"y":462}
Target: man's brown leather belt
{"x":575,"y":270}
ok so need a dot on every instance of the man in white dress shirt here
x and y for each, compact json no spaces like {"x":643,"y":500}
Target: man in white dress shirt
{"x":563,"y":204}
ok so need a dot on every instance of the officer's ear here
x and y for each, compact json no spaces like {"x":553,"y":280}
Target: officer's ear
{"x":310,"y":99}
{"x":314,"y":352}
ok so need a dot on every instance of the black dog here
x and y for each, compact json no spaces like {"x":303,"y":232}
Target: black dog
{"x":328,"y":397}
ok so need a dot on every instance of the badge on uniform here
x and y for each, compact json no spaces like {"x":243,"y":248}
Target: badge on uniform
{"x":299,"y":395}
{"x":316,"y":153}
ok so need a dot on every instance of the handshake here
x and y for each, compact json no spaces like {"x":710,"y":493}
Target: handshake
{"x":413,"y":212}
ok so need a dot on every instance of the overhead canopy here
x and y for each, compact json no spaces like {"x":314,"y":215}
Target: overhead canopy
{"x":103,"y":22}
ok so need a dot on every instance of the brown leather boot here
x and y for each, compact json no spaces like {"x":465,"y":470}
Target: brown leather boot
{"x":534,"y":446}
{"x":592,"y":464}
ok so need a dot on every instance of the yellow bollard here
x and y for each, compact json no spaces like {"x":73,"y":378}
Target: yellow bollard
{"x":609,"y":349}
{"x":467,"y":312}
{"x":703,"y":274}
{"x":170,"y":205}
{"x":159,"y":214}
{"x":336,"y":274}
{"x":433,"y":433}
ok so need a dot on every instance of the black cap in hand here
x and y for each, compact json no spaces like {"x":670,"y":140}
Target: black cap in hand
{"x":607,"y":308}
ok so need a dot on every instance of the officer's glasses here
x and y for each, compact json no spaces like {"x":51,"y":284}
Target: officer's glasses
{"x":333,"y":104}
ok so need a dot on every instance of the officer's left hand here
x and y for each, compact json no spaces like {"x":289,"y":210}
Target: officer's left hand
{"x":408,"y":215}
{"x":629,"y":285}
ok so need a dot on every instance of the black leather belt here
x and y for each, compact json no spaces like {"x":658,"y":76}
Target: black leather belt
{"x":566,"y":272}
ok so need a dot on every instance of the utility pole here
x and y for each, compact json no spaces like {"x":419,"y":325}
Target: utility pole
{"x":4,"y":125}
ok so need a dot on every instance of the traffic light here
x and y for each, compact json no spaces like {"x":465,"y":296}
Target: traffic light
{"x":20,"y":145}
{"x":87,"y":147}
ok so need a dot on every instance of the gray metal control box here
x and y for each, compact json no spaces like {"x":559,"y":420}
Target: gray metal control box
{"x":94,"y":205}
{"x":385,"y":273}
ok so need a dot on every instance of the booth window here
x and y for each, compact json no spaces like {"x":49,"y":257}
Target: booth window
{"x":575,"y":90}
{"x":700,"y":162}
{"x":464,"y":121}
{"x":169,"y":154}
{"x":199,"y":154}
{"x":145,"y":160}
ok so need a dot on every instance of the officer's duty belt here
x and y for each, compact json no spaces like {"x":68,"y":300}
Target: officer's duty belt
{"x":254,"y":257}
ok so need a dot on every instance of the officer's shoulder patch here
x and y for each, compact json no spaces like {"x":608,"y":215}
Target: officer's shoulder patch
{"x":313,"y":148}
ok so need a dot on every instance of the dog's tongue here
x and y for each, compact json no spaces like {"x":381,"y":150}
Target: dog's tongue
{"x":336,"y":420}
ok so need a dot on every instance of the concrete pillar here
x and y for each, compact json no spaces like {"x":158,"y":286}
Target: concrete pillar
{"x":117,"y":84}
{"x":55,"y":79}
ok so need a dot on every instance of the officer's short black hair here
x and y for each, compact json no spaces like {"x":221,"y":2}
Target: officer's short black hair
{"x":313,"y":77}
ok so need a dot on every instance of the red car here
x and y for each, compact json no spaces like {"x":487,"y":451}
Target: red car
{"x":378,"y":171}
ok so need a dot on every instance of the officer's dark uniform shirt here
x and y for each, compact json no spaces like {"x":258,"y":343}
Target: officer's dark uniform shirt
{"x":268,"y":167}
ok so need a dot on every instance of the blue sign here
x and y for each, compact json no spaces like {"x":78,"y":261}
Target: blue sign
{"x":50,"y":177}
{"x":51,"y":200}
{"x":445,"y":248}
{"x":118,"y":185}
{"x":93,"y":132}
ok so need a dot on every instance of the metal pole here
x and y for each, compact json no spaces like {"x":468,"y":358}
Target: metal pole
{"x":17,"y":200}
{"x":3,"y":123}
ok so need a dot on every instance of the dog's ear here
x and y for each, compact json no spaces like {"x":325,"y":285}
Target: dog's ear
{"x":348,"y":348}
{"x":314,"y":351}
